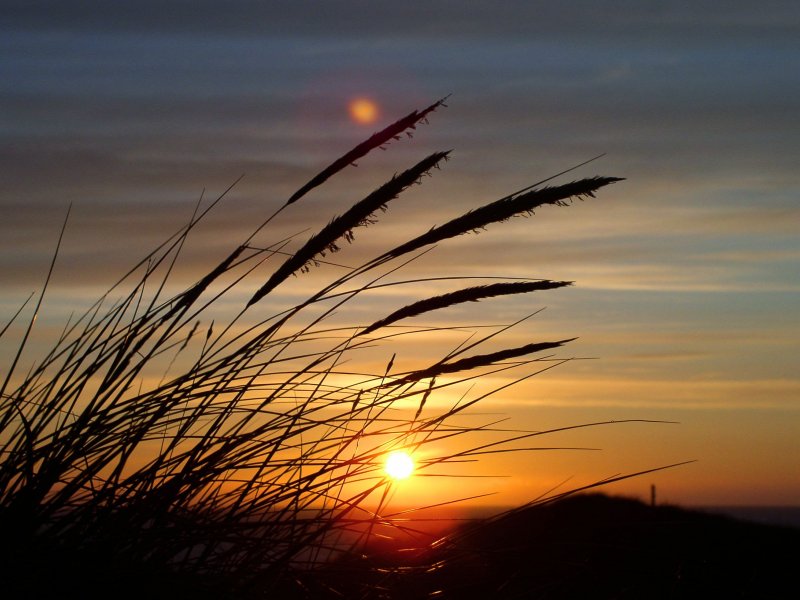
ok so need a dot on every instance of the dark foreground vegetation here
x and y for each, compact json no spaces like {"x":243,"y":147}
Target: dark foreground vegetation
{"x":583,"y":546}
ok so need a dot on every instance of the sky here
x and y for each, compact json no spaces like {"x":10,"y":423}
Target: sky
{"x":686,"y":295}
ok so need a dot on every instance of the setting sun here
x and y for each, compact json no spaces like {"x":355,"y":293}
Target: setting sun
{"x":363,"y":110}
{"x":399,"y":465}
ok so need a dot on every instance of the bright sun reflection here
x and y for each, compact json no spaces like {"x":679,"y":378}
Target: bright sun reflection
{"x":363,"y":110}
{"x":399,"y":465}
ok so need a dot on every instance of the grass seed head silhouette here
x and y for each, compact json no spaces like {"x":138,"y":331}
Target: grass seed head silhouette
{"x":253,"y":459}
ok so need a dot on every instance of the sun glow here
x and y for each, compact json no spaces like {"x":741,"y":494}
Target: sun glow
{"x":399,"y":465}
{"x":363,"y":110}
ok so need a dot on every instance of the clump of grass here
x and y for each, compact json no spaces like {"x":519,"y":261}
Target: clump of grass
{"x":255,"y":455}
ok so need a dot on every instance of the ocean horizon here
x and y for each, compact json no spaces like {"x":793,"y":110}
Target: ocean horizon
{"x":786,"y":516}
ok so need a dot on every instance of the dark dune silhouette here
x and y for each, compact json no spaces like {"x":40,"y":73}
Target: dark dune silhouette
{"x":596,"y":547}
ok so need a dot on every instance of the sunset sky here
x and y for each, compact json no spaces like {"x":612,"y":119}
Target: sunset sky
{"x":687,"y":293}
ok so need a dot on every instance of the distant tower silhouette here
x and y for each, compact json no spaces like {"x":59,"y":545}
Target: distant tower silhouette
{"x":652,"y":495}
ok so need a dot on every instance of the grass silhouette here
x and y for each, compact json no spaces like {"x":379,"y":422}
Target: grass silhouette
{"x":157,"y":450}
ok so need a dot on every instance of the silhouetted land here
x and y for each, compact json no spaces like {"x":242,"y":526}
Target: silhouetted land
{"x":587,"y":547}
{"x":595,"y":547}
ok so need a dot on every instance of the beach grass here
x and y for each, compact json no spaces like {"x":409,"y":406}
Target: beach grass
{"x":156,"y":448}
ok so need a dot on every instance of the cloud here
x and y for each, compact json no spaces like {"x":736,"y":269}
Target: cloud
{"x":370,"y":18}
{"x":665,"y":394}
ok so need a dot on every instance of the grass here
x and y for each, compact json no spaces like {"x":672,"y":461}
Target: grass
{"x":157,"y":450}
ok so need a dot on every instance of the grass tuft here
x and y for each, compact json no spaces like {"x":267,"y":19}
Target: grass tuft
{"x":160,"y":448}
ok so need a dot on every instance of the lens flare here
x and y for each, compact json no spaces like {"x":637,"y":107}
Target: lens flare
{"x":363,"y":111}
{"x":399,"y":465}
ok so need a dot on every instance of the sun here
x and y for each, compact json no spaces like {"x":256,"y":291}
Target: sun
{"x":399,"y":465}
{"x":363,"y":110}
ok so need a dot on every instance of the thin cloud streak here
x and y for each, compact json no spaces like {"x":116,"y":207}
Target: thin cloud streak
{"x":375,"y":19}
{"x":657,"y":394}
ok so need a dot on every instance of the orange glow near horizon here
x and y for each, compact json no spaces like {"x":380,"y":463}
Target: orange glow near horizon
{"x":363,"y":110}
